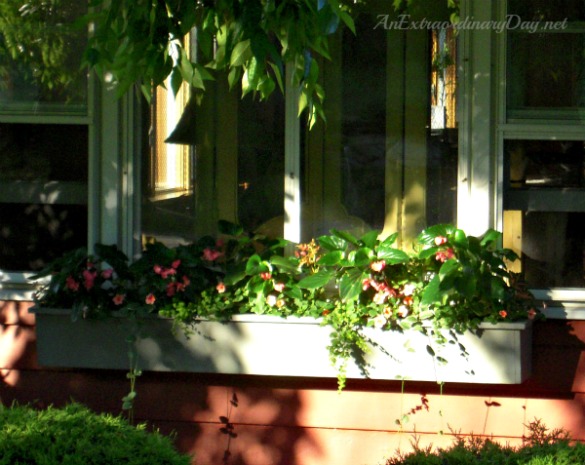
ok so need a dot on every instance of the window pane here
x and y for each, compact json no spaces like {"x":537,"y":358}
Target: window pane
{"x":40,"y":54}
{"x":545,"y":10}
{"x":546,"y":71}
{"x":43,"y":193}
{"x":260,"y":161}
{"x":43,"y":152}
{"x":31,"y":235}
{"x":391,"y":161}
{"x":544,"y":218}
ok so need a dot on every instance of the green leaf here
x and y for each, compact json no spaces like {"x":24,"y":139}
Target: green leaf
{"x":285,"y":264}
{"x":448,"y":268}
{"x":317,"y":280}
{"x":427,"y":237}
{"x":255,"y":265}
{"x":241,"y":53}
{"x":363,"y":256}
{"x":491,"y":236}
{"x":332,"y":242}
{"x":347,"y":236}
{"x":331,"y":258}
{"x":350,"y":285}
{"x":370,"y":239}
{"x":432,"y":293}
{"x":391,"y":255}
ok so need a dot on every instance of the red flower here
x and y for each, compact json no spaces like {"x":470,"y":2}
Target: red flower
{"x":378,"y":266}
{"x":440,"y":240}
{"x":171,"y":289}
{"x":503,"y":313}
{"x":531,"y":314}
{"x":220,"y":288}
{"x":150,"y":299}
{"x":71,"y":284}
{"x":118,"y":299}
{"x":89,"y":278}
{"x":211,"y":255}
{"x":107,"y":273}
{"x":444,"y":255}
{"x":176,"y":264}
{"x":265,"y":275}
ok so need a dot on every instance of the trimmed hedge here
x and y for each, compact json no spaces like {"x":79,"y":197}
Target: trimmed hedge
{"x":540,"y":448}
{"x":74,"y":435}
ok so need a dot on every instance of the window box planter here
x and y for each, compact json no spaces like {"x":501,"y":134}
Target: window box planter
{"x":265,"y":345}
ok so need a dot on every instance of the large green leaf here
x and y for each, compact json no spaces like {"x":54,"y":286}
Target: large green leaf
{"x":241,"y":53}
{"x":391,"y":255}
{"x":350,"y":284}
{"x":347,"y":236}
{"x":332,"y":243}
{"x":331,"y":258}
{"x":432,"y":292}
{"x":370,"y":238}
{"x":317,"y":280}
{"x":285,"y":264}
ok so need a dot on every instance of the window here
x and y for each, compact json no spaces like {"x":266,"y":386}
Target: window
{"x":542,"y":143}
{"x":43,"y":133}
{"x":386,"y":158}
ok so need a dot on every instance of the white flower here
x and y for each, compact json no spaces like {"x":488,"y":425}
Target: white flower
{"x":408,"y":289}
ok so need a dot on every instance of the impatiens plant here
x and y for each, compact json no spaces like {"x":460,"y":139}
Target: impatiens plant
{"x":446,"y":283}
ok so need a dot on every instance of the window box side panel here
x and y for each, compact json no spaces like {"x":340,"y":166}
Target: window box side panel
{"x":261,"y":345}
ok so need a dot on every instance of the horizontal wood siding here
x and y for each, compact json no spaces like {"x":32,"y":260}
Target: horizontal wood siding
{"x":251,"y":420}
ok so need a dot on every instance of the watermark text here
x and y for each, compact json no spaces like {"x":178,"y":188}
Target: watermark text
{"x":512,"y":23}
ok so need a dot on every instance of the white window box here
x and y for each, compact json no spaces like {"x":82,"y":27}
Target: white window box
{"x":266,"y":345}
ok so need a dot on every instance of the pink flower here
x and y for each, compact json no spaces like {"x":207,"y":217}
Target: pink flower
{"x":88,"y":278}
{"x":444,"y":255}
{"x":107,"y":273}
{"x":211,"y":255}
{"x":171,"y":289}
{"x":266,"y":275}
{"x":166,"y":272}
{"x":378,"y":266}
{"x":176,"y":264}
{"x":150,"y":299}
{"x":220,"y":288}
{"x":279,"y":287}
{"x":366,"y":284}
{"x":440,"y":240}
{"x":71,"y":284}
{"x":186,"y":281}
{"x":118,"y":299}
{"x":157,"y":269}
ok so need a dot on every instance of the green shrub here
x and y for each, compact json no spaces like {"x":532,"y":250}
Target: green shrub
{"x":76,"y":436}
{"x":541,"y":447}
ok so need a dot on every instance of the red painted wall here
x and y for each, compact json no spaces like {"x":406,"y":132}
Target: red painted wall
{"x":287,"y":421}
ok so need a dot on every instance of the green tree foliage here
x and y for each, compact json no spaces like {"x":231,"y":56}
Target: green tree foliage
{"x":144,"y":41}
{"x":38,"y":41}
